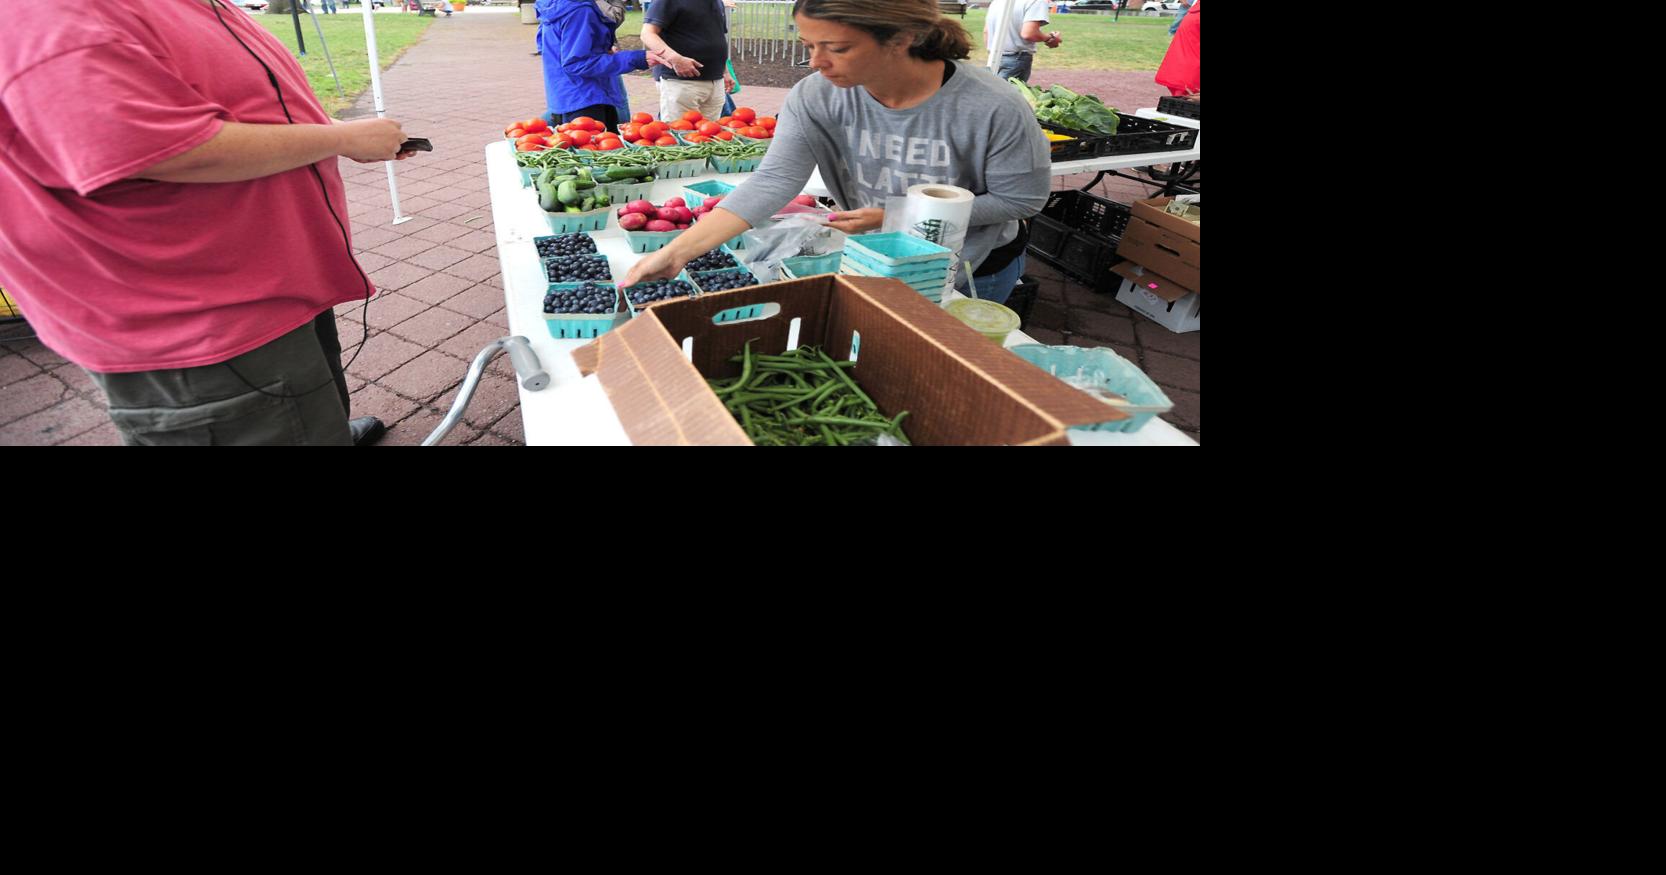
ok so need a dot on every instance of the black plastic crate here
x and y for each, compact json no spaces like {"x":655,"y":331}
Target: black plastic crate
{"x":1048,"y":235}
{"x":1088,"y":144}
{"x":1090,"y":212}
{"x":1067,"y":150}
{"x":1058,"y":204}
{"x":1182,"y":107}
{"x":1078,"y":233}
{"x":1135,"y":135}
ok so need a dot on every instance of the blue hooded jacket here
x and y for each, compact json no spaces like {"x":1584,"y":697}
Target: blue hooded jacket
{"x":575,"y":39}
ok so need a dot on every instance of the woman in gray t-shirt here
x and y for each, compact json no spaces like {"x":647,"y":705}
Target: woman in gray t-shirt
{"x":891,"y":109}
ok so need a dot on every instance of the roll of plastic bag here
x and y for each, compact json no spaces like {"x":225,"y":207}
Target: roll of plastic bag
{"x":935,"y":212}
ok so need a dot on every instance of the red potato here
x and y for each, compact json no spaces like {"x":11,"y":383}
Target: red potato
{"x":675,"y":202}
{"x":633,"y":221}
{"x":712,"y":202}
{"x":643,"y":207}
{"x":659,"y":225}
{"x":682,"y":227}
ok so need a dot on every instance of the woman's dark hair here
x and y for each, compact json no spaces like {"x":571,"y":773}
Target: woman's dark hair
{"x":934,"y":37}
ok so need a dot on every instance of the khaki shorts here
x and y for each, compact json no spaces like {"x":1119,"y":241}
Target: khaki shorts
{"x":677,"y":96}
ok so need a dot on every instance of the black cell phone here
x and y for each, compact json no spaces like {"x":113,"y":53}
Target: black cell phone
{"x":417,"y":144}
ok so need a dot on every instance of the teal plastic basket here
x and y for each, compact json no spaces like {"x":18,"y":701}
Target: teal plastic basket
{"x":811,"y":265}
{"x":567,"y":223}
{"x":895,"y":249}
{"x":931,"y":288}
{"x":624,"y":192}
{"x":914,"y":270}
{"x":537,"y":240}
{"x":649,"y":241}
{"x":937,"y":275}
{"x":707,"y":188}
{"x":639,"y":310}
{"x":734,"y":165}
{"x":675,"y":169}
{"x":1101,"y":368}
{"x":578,"y":326}
{"x":732,"y":254}
{"x":697,"y":278}
{"x":752,"y":141}
{"x":543,"y":265}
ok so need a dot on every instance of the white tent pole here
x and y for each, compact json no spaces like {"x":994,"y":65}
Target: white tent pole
{"x":376,"y":94}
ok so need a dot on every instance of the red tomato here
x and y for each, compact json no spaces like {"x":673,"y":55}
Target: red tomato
{"x":745,"y":114}
{"x":653,"y":130}
{"x":537,"y":124}
{"x":708,"y":128}
{"x":534,"y":147}
{"x":767,"y":121}
{"x":641,"y":118}
{"x":680,"y":125}
{"x":579,"y":138}
{"x":693,"y":116}
{"x":725,"y":135}
{"x":666,"y":140}
{"x":610,"y":143}
{"x":562,"y":141}
{"x":582,"y":121}
{"x":727,"y":121}
{"x":517,"y":133}
{"x":699,"y":138}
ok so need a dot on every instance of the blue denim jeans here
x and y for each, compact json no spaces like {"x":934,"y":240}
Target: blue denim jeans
{"x":1015,"y":64}
{"x":998,"y":286}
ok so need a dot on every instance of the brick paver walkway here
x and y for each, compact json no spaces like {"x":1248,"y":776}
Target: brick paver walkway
{"x":441,"y":296}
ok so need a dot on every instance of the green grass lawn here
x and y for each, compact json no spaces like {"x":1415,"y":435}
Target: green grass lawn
{"x":345,"y":36}
{"x":1091,"y":42}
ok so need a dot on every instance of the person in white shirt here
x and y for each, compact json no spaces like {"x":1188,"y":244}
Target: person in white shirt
{"x":1016,"y":26}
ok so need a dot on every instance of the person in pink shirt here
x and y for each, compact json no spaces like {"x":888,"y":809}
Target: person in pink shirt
{"x":172,"y":219}
{"x":1182,"y":68}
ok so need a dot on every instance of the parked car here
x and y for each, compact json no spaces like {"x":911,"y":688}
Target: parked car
{"x":1155,"y":6}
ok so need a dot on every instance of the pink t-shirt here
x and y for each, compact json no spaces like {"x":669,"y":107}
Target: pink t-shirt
{"x":120,"y":274}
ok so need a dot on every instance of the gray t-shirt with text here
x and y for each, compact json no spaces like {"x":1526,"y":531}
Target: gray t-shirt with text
{"x":976,"y":132}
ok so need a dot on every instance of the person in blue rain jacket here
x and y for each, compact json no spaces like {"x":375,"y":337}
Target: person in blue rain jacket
{"x":581,"y":68}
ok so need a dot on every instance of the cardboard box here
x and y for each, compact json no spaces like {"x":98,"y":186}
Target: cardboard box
{"x":957,"y":386}
{"x":1163,"y":251}
{"x":1151,"y":210}
{"x":1158,"y":298}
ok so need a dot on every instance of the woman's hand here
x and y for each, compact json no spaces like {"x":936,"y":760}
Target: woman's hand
{"x":658,"y":265}
{"x":728,"y":84}
{"x":857,"y":221}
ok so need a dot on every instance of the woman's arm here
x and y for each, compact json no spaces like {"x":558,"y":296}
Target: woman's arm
{"x":786,"y":168}
{"x":1016,"y":172}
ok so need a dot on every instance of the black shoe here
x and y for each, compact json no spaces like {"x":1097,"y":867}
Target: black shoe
{"x":537,"y":53}
{"x":366,"y":430}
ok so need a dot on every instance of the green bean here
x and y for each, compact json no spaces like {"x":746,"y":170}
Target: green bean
{"x":745,"y":370}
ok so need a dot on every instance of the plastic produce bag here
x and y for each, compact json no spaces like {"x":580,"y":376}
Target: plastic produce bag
{"x":789,"y":236}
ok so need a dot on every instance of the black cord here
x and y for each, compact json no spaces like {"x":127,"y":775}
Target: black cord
{"x":322,"y":189}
